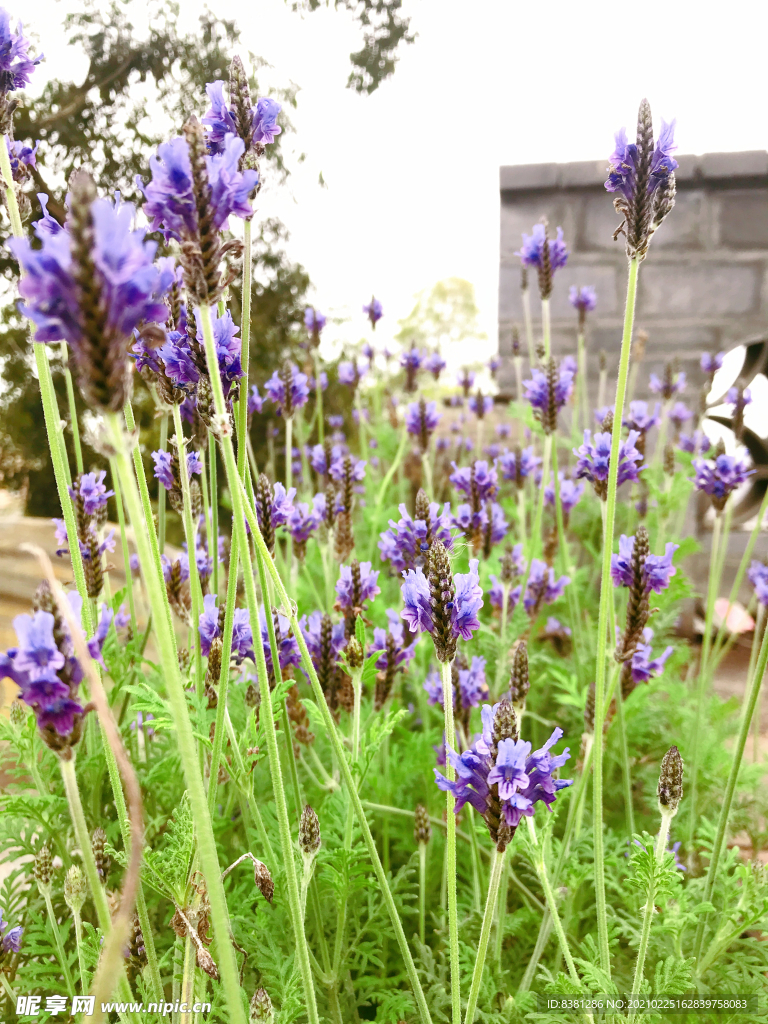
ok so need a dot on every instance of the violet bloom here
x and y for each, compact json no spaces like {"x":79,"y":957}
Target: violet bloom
{"x":670,"y":386}
{"x":523,"y":778}
{"x":10,"y":938}
{"x":533,"y":254}
{"x":221,"y":119}
{"x":570,"y":493}
{"x":736,"y":396}
{"x":470,"y":521}
{"x":583,"y":299}
{"x":350,"y":373}
{"x":639,"y":418}
{"x":374,"y":311}
{"x":412,"y":359}
{"x":211,"y":623}
{"x":594,"y":459}
{"x":314,"y":320}
{"x":478,"y":481}
{"x":335,"y":421}
{"x":548,"y":392}
{"x":302,"y":523}
{"x":318,"y":459}
{"x":643,"y":666}
{"x":758,"y":577}
{"x":357,"y":470}
{"x":169,"y":198}
{"x":542,"y":587}
{"x":466,"y":381}
{"x":89,"y":492}
{"x":288,"y":653}
{"x":16,"y":66}
{"x":282,"y":505}
{"x":710,"y":363}
{"x":255,"y":401}
{"x":346,"y":585}
{"x":311,"y":627}
{"x":395,"y":653}
{"x":165,"y":470}
{"x":435,"y":364}
{"x":22,"y":158}
{"x":405,"y":544}
{"x":496,"y":593}
{"x":517,"y":465}
{"x":421,"y":420}
{"x":467,"y":602}
{"x":680,"y":414}
{"x":657,"y":571}
{"x":472,"y":685}
{"x":719,"y":477}
{"x":503,"y":429}
{"x":494,"y":365}
{"x":287,"y":395}
{"x":480,"y":405}
{"x":696,"y":443}
{"x":130,"y":290}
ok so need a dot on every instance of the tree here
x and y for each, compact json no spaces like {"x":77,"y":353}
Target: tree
{"x":444,"y":316}
{"x":384,"y":31}
{"x":76,"y":123}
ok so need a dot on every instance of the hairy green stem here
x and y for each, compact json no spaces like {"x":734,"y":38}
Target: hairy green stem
{"x":649,"y":910}
{"x":190,"y":533}
{"x":72,"y":408}
{"x":223,"y":687}
{"x":422,"y":889}
{"x":497,"y":863}
{"x":626,"y":771}
{"x":526,"y":296}
{"x":450,"y":841}
{"x":63,"y":962}
{"x":606,"y":596}
{"x":124,"y":545}
{"x":245,"y":350}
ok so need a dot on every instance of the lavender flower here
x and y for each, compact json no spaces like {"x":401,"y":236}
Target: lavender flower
{"x":696,"y":443}
{"x":496,"y":593}
{"x":643,"y":176}
{"x":710,"y":363}
{"x":302,"y":523}
{"x":758,"y":577}
{"x":287,"y":389}
{"x":357,"y":584}
{"x":542,"y":587}
{"x":357,"y":469}
{"x":373,"y":311}
{"x":570,"y":493}
{"x":211,"y":625}
{"x":539,"y":251}
{"x":288,"y":653}
{"x":89,"y":492}
{"x":656,"y":571}
{"x":500,"y":777}
{"x":583,"y":299}
{"x":10,"y":938}
{"x":166,"y":468}
{"x":456,"y":602}
{"x":640,"y":419}
{"x":548,"y":392}
{"x":517,"y":465}
{"x":223,"y":120}
{"x":421,"y":420}
{"x":680,"y":414}
{"x":255,"y":401}
{"x":478,"y":481}
{"x":22,"y":158}
{"x":672,"y":384}
{"x":503,"y":429}
{"x":480,"y":404}
{"x":350,"y":373}
{"x":494,"y":365}
{"x":470,"y":687}
{"x":643,"y":667}
{"x":594,"y":461}
{"x":434,"y":364}
{"x":125,"y":290}
{"x":406,"y":543}
{"x":719,"y":477}
{"x":396,"y":655}
{"x":16,"y":66}
{"x":466,"y":381}
{"x":322,"y":457}
{"x":314,"y":321}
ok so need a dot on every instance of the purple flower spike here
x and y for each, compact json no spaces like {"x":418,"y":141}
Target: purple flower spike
{"x":680,"y":414}
{"x":583,"y":299}
{"x":10,"y":938}
{"x":736,"y":397}
{"x":288,"y":394}
{"x":434,"y":364}
{"x":468,"y":602}
{"x":314,"y":320}
{"x":211,"y":623}
{"x":594,"y":461}
{"x":221,"y":119}
{"x":481,"y":404}
{"x":643,"y":666}
{"x":517,"y":465}
{"x":367,"y":588}
{"x":548,"y":392}
{"x":640,"y":419}
{"x":671,"y":385}
{"x":255,"y":401}
{"x":90,"y":493}
{"x":570,"y":493}
{"x":758,"y":577}
{"x":719,"y":477}
{"x":417,"y":610}
{"x":16,"y":66}
{"x":23,"y":159}
{"x":421,"y":420}
{"x":540,"y":252}
{"x":542,"y":587}
{"x":697,"y":443}
{"x":657,"y":571}
{"x":350,"y":373}
{"x":396,"y":655}
{"x":710,"y":363}
{"x":373,"y":311}
{"x":405,"y":545}
{"x":477,"y":481}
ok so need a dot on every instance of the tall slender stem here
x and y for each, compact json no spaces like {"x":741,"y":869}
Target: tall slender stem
{"x":213,"y":525}
{"x":753,"y":696}
{"x":581,"y":412}
{"x":422,"y":889}
{"x":501,"y":912}
{"x":59,"y":945}
{"x":124,"y":544}
{"x":450,"y":840}
{"x":606,"y":596}
{"x":245,"y":350}
{"x":626,"y":773}
{"x":190,"y":531}
{"x":184,"y":735}
{"x":704,"y":671}
{"x":526,"y":296}
{"x":161,"y":500}
{"x":84,"y":981}
{"x":497,"y":863}
{"x":72,"y":408}
{"x":648,"y":912}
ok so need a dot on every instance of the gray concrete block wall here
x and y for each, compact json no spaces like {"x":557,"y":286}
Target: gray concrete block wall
{"x":704,"y":285}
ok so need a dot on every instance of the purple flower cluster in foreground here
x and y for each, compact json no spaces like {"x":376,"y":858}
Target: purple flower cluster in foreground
{"x":531,"y":252}
{"x":643,"y":666}
{"x":622,"y":172}
{"x":523,"y":778}
{"x":220,"y":119}
{"x":657,"y":571}
{"x":211,"y":625}
{"x":404,"y":544}
{"x":16,"y":66}
{"x":594,"y":459}
{"x":466,"y":604}
{"x":286,"y":395}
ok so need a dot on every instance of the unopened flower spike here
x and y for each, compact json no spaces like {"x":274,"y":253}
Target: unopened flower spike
{"x":548,"y":391}
{"x":545,"y":254}
{"x":373,"y":311}
{"x":421,"y":420}
{"x":422,"y":828}
{"x":670,"y":788}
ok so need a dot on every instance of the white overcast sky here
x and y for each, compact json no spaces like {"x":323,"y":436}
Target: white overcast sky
{"x":412,"y":171}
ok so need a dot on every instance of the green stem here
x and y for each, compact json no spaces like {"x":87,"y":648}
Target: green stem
{"x":572,"y":592}
{"x":342,"y":761}
{"x":245,"y":353}
{"x":223,"y":688}
{"x":526,"y":296}
{"x":238,"y":518}
{"x":626,"y":772}
{"x":704,"y":672}
{"x":649,"y":911}
{"x":422,"y":890}
{"x":185,"y":739}
{"x":497,"y":863}
{"x":161,"y":500}
{"x":84,"y":982}
{"x":606,"y":596}
{"x":190,"y":533}
{"x":753,"y":696}
{"x":450,"y":840}
{"x":582,"y":406}
{"x":522,"y":509}
{"x":501,"y":912}
{"x":11,"y":201}
{"x":59,"y":945}
{"x":536,"y":538}
{"x":124,"y":544}
{"x":72,"y":408}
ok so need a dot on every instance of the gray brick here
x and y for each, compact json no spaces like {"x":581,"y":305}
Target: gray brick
{"x":749,"y":164}
{"x":522,"y":177}
{"x":519,"y":218}
{"x":684,"y":227}
{"x":600,"y":220}
{"x":743,"y":219}
{"x":689,"y":167}
{"x":585,"y":172}
{"x":710,"y":289}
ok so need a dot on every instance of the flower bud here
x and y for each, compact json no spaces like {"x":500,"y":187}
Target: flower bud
{"x":354,"y":653}
{"x":519,"y":683}
{"x":206,"y":963}
{"x":75,"y":889}
{"x":589,"y":710}
{"x":263,"y":880}
{"x":18,"y":713}
{"x":102,"y":858}
{"x":43,"y":869}
{"x":261,"y":1008}
{"x":670,"y":790}
{"x":309,"y":833}
{"x":422,"y":830}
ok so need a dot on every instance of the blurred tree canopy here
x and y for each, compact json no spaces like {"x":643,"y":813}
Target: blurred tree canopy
{"x":384,"y":31}
{"x":137,"y":91}
{"x":445,"y":315}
